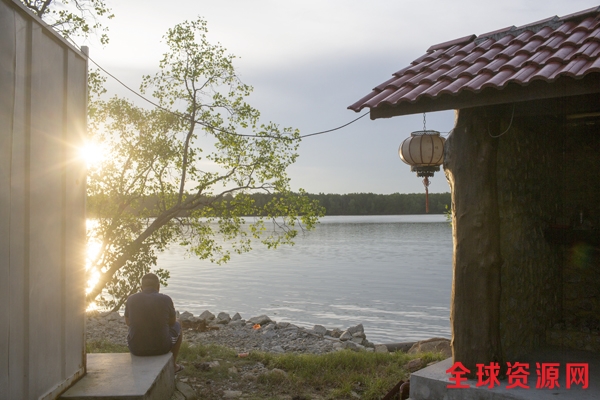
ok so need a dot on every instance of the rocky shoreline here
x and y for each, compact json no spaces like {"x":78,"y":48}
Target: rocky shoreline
{"x":258,"y":333}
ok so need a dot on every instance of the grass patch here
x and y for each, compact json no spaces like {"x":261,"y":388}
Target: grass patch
{"x":327,"y":376}
{"x":104,"y":346}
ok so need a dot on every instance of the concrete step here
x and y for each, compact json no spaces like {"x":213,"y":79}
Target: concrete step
{"x":431,"y":383}
{"x":124,"y":376}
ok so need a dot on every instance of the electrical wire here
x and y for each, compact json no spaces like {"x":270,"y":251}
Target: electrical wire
{"x":335,"y":129}
{"x":209,"y":125}
{"x":509,"y":125}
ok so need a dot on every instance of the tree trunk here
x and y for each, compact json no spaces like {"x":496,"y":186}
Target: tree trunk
{"x":470,"y":164}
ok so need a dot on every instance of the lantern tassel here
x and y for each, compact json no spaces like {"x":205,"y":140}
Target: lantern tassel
{"x":426,"y":184}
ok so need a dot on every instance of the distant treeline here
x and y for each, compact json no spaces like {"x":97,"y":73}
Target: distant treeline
{"x":338,"y":204}
{"x":375,"y":204}
{"x":382,"y":204}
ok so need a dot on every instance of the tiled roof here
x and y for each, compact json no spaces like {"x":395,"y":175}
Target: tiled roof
{"x":547,"y":50}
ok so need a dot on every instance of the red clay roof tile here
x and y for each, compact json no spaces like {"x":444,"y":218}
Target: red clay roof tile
{"x":540,"y":57}
{"x":595,"y":65}
{"x":544,"y":50}
{"x":517,"y":61}
{"x":589,"y":50}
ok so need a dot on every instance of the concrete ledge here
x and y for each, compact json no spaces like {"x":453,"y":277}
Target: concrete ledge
{"x":431,"y":383}
{"x":125,"y":376}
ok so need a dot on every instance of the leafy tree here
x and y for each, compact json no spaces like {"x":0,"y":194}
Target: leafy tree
{"x":199,"y":165}
{"x":73,"y":17}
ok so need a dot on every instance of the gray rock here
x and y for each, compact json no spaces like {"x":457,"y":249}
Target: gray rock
{"x":232,"y":394}
{"x":186,"y":390}
{"x":269,"y":327}
{"x":236,"y":317}
{"x":357,"y":340}
{"x":186,"y":316}
{"x":434,"y":345}
{"x":320,"y":330}
{"x":269,"y":334}
{"x":345,"y":336}
{"x":277,"y":349}
{"x":223,"y":318}
{"x":261,"y":320}
{"x":237,"y":322}
{"x":291,"y":327}
{"x":177,"y":395}
{"x":353,"y":346}
{"x":381,"y":348}
{"x":205,"y":366}
{"x":414,"y":365}
{"x":290,"y":334}
{"x":283,"y":325}
{"x":207,"y":316}
{"x":359,"y":335}
{"x":357,"y":328}
{"x":336,"y":332}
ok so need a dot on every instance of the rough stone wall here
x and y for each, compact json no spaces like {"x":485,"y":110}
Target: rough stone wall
{"x":581,"y":302}
{"x":581,"y":158}
{"x":529,"y":197}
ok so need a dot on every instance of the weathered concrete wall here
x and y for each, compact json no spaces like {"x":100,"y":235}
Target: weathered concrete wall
{"x":42,"y":208}
{"x":581,"y":160}
{"x":529,"y":197}
{"x":581,"y":291}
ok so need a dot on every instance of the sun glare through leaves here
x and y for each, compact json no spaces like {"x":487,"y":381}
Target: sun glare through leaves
{"x":93,"y":154}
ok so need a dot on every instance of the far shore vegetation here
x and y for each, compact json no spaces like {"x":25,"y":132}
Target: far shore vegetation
{"x":334,"y":204}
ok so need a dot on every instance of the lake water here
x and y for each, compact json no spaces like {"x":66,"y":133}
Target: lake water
{"x":393,"y":274}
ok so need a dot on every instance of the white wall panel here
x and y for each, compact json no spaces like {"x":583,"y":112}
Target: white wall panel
{"x":7,"y":50}
{"x":42,"y":208}
{"x":46,"y":210}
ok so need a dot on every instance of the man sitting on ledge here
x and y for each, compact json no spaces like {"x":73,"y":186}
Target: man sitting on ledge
{"x":151,"y":318}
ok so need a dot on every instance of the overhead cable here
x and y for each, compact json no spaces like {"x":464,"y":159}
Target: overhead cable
{"x":179,"y":115}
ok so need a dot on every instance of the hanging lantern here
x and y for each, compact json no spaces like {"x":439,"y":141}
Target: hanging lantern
{"x":424,"y":152}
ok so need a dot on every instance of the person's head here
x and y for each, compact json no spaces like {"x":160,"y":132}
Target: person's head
{"x":150,"y":281}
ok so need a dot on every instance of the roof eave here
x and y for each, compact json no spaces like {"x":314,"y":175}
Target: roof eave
{"x":512,"y":93}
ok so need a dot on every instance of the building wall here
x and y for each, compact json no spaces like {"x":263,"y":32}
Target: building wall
{"x":581,"y":263}
{"x":530,"y":174}
{"x":42,"y":208}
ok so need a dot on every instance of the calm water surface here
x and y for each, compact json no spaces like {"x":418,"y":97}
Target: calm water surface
{"x":391,"y":273}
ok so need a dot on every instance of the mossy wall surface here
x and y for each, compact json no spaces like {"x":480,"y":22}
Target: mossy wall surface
{"x":529,"y":198}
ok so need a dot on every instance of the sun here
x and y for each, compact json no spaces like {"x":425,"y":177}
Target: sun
{"x":93,"y":154}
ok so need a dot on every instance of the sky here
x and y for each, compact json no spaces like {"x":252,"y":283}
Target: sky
{"x":309,"y":60}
